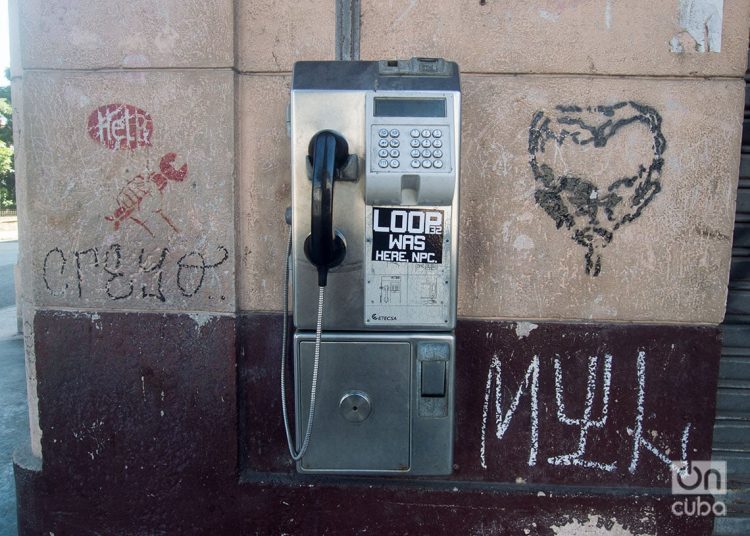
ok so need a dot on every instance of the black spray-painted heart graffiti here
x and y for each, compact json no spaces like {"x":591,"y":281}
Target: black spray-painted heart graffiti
{"x":576,"y":202}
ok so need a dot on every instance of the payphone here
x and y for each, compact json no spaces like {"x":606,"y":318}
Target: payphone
{"x":374,"y":267}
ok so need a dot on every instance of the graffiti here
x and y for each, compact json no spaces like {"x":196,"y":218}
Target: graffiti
{"x":597,"y":394}
{"x":120,"y":126}
{"x":143,"y":196}
{"x":594,"y":209}
{"x":56,"y":252}
{"x":123,"y":126}
{"x":190,"y":275}
{"x":116,"y":272}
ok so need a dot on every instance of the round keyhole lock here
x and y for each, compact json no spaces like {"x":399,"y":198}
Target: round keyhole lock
{"x":355,"y":406}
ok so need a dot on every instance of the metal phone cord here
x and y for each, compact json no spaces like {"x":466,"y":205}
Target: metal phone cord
{"x":296,"y":456}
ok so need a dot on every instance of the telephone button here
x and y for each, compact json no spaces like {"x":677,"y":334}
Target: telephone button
{"x":414,"y":133}
{"x":415,"y":153}
{"x":437,"y":153}
{"x":383,"y":143}
{"x":415,"y":143}
{"x":437,"y":143}
{"x":426,"y":133}
{"x":426,"y":143}
{"x":394,"y":163}
{"x":383,"y":133}
{"x":395,"y":133}
{"x":395,"y":143}
{"x":426,"y":164}
{"x":395,"y":153}
{"x":415,"y":163}
{"x":437,"y":133}
{"x":382,"y":153}
{"x":426,"y":153}
{"x":383,"y":163}
{"x":438,"y":164}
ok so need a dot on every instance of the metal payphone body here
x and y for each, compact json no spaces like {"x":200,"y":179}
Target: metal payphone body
{"x":385,"y":386}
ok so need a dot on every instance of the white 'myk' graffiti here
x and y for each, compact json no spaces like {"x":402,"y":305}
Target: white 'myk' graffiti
{"x":595,"y":390}
{"x":585,"y":422}
{"x":502,"y":420}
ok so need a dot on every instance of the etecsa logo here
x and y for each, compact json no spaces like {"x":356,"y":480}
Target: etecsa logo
{"x":699,"y":478}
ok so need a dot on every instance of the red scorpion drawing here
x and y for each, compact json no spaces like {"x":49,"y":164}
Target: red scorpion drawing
{"x":140,"y":188}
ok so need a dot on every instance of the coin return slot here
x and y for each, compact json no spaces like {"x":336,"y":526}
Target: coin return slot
{"x":409,"y":189}
{"x":433,"y":378}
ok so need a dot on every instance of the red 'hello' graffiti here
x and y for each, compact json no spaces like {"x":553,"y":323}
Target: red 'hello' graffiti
{"x":143,"y":195}
{"x":120,"y":126}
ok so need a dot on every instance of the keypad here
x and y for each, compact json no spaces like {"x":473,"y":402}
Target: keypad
{"x":426,"y":148}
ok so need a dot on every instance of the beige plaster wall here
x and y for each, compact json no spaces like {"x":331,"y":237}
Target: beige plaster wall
{"x":531,"y":268}
{"x":90,"y":34}
{"x":263,"y":175}
{"x":637,"y":37}
{"x":147,"y":225}
{"x":669,"y":264}
{"x":668,"y":257}
{"x":272,"y":35}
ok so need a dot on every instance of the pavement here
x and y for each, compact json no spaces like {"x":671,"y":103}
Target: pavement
{"x":14,"y":417}
{"x":8,"y":228}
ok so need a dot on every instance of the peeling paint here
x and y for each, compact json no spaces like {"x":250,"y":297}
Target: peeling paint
{"x":523,"y":242}
{"x":200,"y":319}
{"x":701,"y":22}
{"x":608,"y":14}
{"x":524,"y":328}
{"x":546,"y":15}
{"x":595,"y":525}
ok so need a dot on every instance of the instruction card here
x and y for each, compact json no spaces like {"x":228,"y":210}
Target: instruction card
{"x":408,"y":266}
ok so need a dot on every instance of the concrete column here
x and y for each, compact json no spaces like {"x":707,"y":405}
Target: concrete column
{"x":124,"y":157}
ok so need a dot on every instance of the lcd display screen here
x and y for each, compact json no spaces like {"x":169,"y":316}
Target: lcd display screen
{"x":409,"y":107}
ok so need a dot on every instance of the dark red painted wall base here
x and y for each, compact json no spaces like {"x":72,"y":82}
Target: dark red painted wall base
{"x":166,"y":424}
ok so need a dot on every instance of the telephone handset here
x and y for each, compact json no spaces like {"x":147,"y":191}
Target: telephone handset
{"x":373,"y":371}
{"x":328,"y":153}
